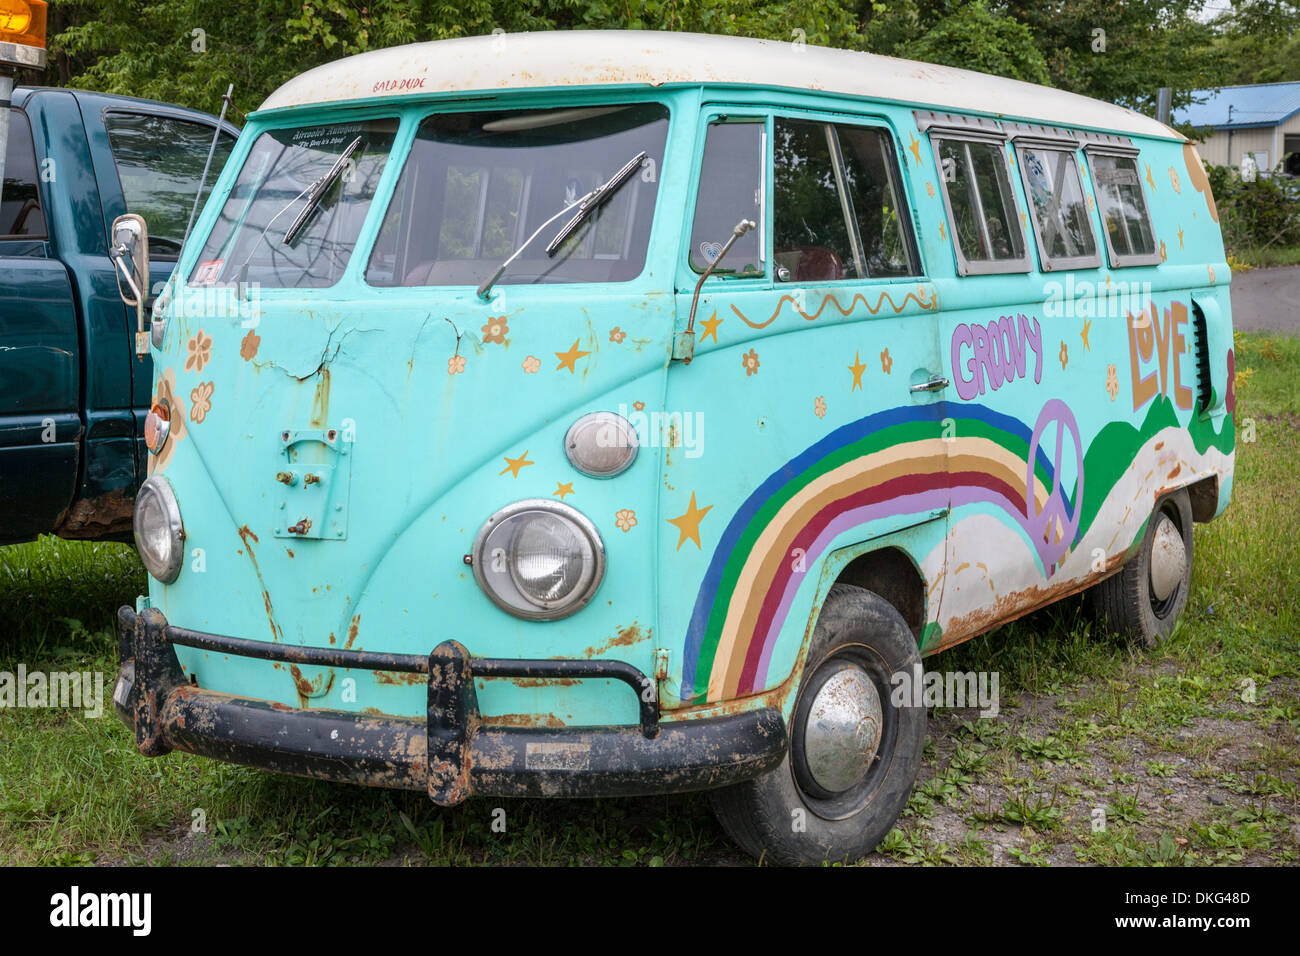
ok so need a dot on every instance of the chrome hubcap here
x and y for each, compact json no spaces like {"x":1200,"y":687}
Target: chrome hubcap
{"x":1168,"y":559}
{"x":842,"y":732}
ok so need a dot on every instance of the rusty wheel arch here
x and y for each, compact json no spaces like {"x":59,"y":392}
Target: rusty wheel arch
{"x":892,"y":574}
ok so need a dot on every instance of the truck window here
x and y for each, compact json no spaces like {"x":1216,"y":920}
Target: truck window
{"x":272,"y":192}
{"x":476,"y":186}
{"x":20,"y":196}
{"x":983,"y":215}
{"x":159,"y":162}
{"x":1062,"y":222}
{"x":1124,"y":215}
{"x":731,"y":189}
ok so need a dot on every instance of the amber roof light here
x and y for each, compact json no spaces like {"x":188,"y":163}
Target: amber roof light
{"x":22,"y":33}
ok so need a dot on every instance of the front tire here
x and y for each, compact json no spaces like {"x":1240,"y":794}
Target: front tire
{"x":853,"y":755}
{"x":1143,"y":601}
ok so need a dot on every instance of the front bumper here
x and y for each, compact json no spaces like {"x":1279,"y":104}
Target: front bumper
{"x":451,"y":753}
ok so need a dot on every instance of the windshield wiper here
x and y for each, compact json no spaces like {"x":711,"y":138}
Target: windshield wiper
{"x":594,"y":200}
{"x":315,"y":192}
{"x":585,"y":205}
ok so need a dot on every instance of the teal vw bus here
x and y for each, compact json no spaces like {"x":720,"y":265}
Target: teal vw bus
{"x":572,"y":414}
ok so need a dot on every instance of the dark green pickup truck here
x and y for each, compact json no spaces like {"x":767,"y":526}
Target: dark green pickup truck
{"x":73,"y":394}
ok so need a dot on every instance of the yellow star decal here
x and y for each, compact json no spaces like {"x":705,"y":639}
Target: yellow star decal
{"x":943,"y":233}
{"x":514,"y":464}
{"x":563,"y":488}
{"x":915,"y":147}
{"x":1150,"y":181}
{"x":1180,"y":236}
{"x":568,"y":358}
{"x":1087,"y":323}
{"x":857,"y":368}
{"x":711,"y":326}
{"x":688,"y":525}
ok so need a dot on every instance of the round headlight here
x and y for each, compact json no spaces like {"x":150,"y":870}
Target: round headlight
{"x":159,"y":534}
{"x":601,"y":444}
{"x":539,"y":559}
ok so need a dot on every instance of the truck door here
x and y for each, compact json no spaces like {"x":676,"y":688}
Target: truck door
{"x":39,"y":354}
{"x":149,"y":162}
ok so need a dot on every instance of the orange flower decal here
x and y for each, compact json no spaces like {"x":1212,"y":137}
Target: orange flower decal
{"x":165,"y":393}
{"x":496,"y":330}
{"x":617,"y":335}
{"x":531,"y":364}
{"x":750,"y":361}
{"x":886,"y":362}
{"x":639,"y":406}
{"x":455,"y":365}
{"x":1112,"y":382}
{"x":625,"y":519}
{"x":819,"y":406}
{"x":248,"y":347}
{"x":200,"y":349}
{"x":201,"y":401}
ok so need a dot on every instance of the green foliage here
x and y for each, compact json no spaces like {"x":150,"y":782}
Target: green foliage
{"x":187,"y":51}
{"x":1265,"y":212}
{"x":1261,"y":41}
{"x":974,"y":37}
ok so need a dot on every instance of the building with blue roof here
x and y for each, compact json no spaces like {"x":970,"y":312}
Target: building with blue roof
{"x":1260,"y":118}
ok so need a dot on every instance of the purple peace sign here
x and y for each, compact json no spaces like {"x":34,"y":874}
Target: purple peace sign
{"x":1043,"y":524}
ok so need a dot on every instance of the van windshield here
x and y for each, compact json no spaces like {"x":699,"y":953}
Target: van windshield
{"x":477,"y":185}
{"x":275,"y":188}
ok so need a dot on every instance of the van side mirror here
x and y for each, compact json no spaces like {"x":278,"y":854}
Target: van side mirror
{"x":129,"y":251}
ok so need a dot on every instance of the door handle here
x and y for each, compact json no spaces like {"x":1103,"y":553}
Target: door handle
{"x":935,"y":384}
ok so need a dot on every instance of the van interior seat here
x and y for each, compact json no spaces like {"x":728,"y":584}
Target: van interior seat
{"x":811,"y":263}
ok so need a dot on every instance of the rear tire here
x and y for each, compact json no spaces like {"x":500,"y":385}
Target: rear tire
{"x":1137,"y":604}
{"x":841,"y":786}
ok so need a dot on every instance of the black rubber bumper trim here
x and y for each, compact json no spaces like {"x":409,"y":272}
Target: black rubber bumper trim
{"x":450,"y":753}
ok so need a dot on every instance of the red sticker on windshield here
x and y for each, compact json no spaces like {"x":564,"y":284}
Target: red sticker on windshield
{"x":209,"y":271}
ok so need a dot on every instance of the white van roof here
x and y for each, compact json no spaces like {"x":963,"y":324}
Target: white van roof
{"x":652,"y":58}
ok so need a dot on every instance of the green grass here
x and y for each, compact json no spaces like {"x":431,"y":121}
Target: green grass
{"x":1077,"y":707}
{"x":1268,"y":256}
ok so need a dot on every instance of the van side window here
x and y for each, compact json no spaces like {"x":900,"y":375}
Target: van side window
{"x":159,"y":163}
{"x":982,"y":211}
{"x":882,"y":217}
{"x":731,"y":189}
{"x":836,"y":206}
{"x":1123,"y":210}
{"x":20,"y":197}
{"x":1062,"y":222}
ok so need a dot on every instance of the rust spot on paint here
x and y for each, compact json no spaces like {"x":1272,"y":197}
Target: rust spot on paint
{"x":625,"y":637}
{"x":289,"y":551}
{"x":320,"y":405}
{"x":352,"y":630}
{"x":302,"y":527}
{"x":313,"y":688}
{"x":1172,"y":474}
{"x":399,"y":677}
{"x":249,"y":538}
{"x":332,"y":638}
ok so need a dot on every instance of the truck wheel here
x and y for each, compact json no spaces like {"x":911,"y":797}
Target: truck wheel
{"x":1143,"y":600}
{"x":853,"y":754}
